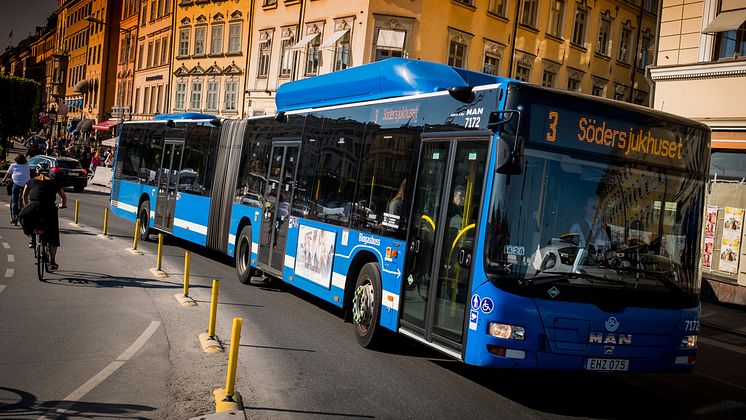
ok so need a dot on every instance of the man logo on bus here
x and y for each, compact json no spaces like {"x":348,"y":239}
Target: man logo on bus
{"x":612,"y":324}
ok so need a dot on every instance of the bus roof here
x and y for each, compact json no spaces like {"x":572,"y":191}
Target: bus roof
{"x":184,"y":116}
{"x":383,"y":79}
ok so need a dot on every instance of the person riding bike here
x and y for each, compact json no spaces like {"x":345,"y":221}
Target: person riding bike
{"x":40,"y":211}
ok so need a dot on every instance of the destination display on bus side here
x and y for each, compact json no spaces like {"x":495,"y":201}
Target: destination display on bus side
{"x":659,"y":143}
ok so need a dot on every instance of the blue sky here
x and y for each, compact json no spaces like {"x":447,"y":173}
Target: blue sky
{"x":22,"y":17}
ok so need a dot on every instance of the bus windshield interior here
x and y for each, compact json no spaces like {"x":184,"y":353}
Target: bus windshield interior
{"x":595,"y":230}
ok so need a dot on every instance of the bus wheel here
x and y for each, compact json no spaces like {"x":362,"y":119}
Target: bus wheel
{"x":243,"y":256}
{"x":143,"y":213}
{"x":366,"y":304}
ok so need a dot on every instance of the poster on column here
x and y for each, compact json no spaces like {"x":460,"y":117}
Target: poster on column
{"x":707,"y":254}
{"x":313,"y":258}
{"x":731,"y":242}
{"x":711,"y":221}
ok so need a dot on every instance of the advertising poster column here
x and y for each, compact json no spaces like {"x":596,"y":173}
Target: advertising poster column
{"x":710,"y":223}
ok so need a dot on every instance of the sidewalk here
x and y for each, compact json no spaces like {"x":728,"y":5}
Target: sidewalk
{"x":724,"y":316}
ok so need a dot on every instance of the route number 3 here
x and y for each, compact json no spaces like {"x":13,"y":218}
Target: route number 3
{"x":552,"y":132}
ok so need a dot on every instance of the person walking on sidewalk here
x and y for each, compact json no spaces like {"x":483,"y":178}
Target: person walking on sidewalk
{"x":19,"y":173}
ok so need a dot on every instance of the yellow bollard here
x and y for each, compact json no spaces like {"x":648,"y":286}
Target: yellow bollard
{"x":77,"y":207}
{"x":137,"y":230}
{"x":160,"y":252}
{"x":186,"y":274}
{"x":230,"y":380}
{"x":213,"y":307}
{"x":106,"y":219}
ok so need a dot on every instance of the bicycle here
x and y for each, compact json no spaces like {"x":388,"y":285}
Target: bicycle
{"x":41,"y":253}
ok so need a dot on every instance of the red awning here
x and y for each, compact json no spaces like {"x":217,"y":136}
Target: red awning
{"x":106,"y":125}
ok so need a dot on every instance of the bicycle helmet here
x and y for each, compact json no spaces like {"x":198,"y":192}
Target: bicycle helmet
{"x":42,"y":168}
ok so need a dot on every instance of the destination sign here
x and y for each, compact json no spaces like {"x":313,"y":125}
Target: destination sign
{"x":649,"y":140}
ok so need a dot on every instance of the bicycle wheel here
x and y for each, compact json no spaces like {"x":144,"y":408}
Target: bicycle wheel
{"x":40,"y":263}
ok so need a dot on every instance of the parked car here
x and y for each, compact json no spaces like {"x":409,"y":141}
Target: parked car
{"x":68,"y":169}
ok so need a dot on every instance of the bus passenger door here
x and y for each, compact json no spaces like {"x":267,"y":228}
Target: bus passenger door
{"x":278,"y":200}
{"x":168,"y":184}
{"x":447,"y":203}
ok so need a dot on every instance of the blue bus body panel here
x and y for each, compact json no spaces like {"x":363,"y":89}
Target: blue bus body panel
{"x":129,"y":198}
{"x":254,"y":216}
{"x":184,"y":116}
{"x":383,"y":79}
{"x":191,"y":215}
{"x":347,"y":245}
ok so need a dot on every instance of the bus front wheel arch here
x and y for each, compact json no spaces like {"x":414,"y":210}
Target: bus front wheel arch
{"x":366,"y":305}
{"x":243,"y":256}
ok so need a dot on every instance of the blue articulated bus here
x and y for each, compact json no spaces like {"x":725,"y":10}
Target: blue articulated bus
{"x":504,"y":224}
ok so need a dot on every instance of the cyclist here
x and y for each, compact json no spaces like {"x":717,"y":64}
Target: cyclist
{"x":20,"y":175}
{"x":41,"y":210}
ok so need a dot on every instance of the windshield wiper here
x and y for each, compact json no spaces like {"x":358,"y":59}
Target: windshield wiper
{"x":537,"y":281}
{"x":661,"y":277}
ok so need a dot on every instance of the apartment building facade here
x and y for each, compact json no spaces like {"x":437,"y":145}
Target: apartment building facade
{"x":125,"y":81}
{"x":599,"y":47}
{"x":153,"y":59}
{"x":210,"y":56}
{"x":700,"y":73}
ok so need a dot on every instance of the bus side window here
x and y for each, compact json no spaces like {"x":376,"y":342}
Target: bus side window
{"x":382,"y":202}
{"x":252,"y":171}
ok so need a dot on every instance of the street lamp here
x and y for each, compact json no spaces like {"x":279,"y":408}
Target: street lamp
{"x":128,"y":32}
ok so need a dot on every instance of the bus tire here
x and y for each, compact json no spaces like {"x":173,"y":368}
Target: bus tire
{"x":143,"y":213}
{"x":366,"y":305}
{"x":243,"y":256}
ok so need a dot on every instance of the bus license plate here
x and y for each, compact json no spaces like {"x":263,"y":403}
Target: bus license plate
{"x":607,"y":364}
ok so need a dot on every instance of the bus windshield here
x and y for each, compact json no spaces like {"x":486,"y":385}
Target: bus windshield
{"x":593,"y":221}
{"x":567,"y":222}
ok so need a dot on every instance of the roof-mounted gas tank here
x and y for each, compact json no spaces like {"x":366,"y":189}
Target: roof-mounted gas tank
{"x":383,"y":79}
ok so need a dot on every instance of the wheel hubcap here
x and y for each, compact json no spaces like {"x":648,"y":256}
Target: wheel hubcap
{"x":362,"y":306}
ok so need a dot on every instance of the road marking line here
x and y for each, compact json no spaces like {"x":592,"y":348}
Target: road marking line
{"x":9,"y":272}
{"x":11,"y":258}
{"x":60,"y":409}
{"x":722,"y":345}
{"x":719,"y":380}
{"x":6,"y":245}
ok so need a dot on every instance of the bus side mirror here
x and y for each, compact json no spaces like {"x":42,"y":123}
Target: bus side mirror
{"x":509,"y":159}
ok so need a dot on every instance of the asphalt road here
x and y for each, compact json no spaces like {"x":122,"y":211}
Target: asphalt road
{"x":298,"y":358}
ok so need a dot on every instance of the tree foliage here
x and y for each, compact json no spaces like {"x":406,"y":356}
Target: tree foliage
{"x":19,"y":106}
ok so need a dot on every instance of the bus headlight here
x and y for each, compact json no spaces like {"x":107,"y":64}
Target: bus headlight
{"x":689,"y":342}
{"x":506,"y":331}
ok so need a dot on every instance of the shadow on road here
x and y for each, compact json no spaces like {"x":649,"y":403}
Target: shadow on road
{"x":15,"y":403}
{"x":84,"y":279}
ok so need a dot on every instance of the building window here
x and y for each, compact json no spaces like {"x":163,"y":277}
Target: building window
{"x":599,"y":88}
{"x":497,"y":7}
{"x":556,"y":13}
{"x":265,"y":49}
{"x":234,"y":38}
{"x":574,"y":83}
{"x":216,"y":40}
{"x":313,"y":54}
{"x":548,"y":78}
{"x":157,"y":53}
{"x":146,"y":101}
{"x":137,"y":101}
{"x":528,"y":14}
{"x":164,"y":52}
{"x":180,"y":95}
{"x":213,"y":92}
{"x":342,"y":52}
{"x":390,"y":43}
{"x":578,"y":30}
{"x":604,"y":36}
{"x":646,"y":44}
{"x":651,"y":6}
{"x":150,"y":54}
{"x":230,"y":95}
{"x":522,"y":72}
{"x":140,"y":56}
{"x":184,"y":42}
{"x":199,"y":40}
{"x":457,"y":52}
{"x":288,"y":58}
{"x":491,"y":64}
{"x":196,"y":99}
{"x":625,"y":40}
{"x":620,"y":92}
